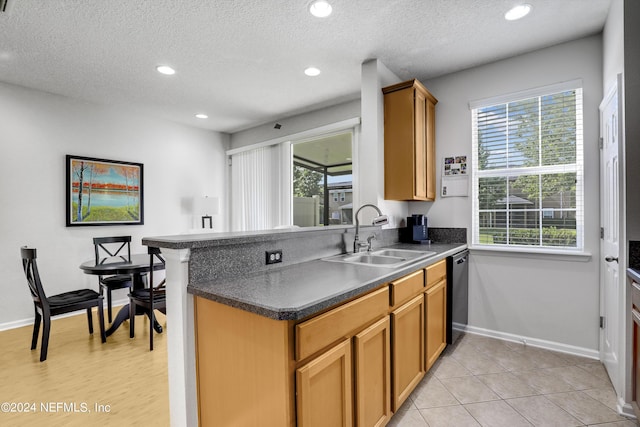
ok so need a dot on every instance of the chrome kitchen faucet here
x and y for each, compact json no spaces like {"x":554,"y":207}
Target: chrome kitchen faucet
{"x":379,"y":220}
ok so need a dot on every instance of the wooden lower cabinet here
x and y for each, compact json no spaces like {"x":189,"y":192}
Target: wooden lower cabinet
{"x":373,"y":375}
{"x":355,"y":364}
{"x":436,"y":321}
{"x":324,"y":389}
{"x":407,"y":324}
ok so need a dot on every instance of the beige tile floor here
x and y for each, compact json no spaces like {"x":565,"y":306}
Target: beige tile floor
{"x":485,"y":382}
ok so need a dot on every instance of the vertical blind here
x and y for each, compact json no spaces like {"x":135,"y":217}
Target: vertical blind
{"x":261,"y":188}
{"x":528,"y":170}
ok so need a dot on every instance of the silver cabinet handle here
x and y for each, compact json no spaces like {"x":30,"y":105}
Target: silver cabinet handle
{"x":611,"y":259}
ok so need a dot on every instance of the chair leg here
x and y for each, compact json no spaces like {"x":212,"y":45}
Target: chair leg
{"x":132,"y":319}
{"x":103,"y":335}
{"x":109,"y":305}
{"x":46,"y":322}
{"x":152,"y":318}
{"x":90,"y":320}
{"x":36,"y":331}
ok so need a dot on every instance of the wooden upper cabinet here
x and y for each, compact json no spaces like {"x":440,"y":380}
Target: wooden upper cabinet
{"x":409,"y":142}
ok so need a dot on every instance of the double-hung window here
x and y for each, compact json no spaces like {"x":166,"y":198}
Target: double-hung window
{"x":527,"y":169}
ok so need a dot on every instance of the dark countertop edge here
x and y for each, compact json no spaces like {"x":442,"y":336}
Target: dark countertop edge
{"x":293,"y":313}
{"x":633,"y":274}
{"x":204,"y":240}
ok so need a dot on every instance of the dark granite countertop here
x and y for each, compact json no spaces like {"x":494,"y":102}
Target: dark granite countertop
{"x":300,"y":290}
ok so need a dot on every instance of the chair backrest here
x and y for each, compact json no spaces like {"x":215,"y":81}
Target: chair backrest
{"x":106,"y":247}
{"x":154,"y":256}
{"x":30,"y":267}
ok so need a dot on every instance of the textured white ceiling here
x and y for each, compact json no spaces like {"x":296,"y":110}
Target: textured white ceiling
{"x":242,"y":61}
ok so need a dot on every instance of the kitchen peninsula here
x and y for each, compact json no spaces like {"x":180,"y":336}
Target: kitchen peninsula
{"x":263,"y":336}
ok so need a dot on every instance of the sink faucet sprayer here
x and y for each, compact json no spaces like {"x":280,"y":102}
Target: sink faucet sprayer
{"x":379,"y":220}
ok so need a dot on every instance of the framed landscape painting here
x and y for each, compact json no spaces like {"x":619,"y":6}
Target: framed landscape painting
{"x":104,"y":192}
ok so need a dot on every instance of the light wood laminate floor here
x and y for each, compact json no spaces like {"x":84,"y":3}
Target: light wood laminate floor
{"x":485,"y":382}
{"x":84,"y":382}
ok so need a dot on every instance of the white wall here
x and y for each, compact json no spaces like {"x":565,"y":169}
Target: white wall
{"x":543,"y":298}
{"x":632,"y":112}
{"x":622,"y":54}
{"x":370,"y":165}
{"x":296,"y":124}
{"x":38,"y":130}
{"x":613,"y":45}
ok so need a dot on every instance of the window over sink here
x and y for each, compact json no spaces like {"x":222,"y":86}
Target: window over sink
{"x":323,"y":180}
{"x":527,"y":169}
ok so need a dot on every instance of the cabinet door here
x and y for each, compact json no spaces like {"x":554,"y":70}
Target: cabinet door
{"x":409,"y":142}
{"x":436,"y":324}
{"x":324,"y":389}
{"x":407,"y":323}
{"x":373,"y":377}
{"x":420,"y":146}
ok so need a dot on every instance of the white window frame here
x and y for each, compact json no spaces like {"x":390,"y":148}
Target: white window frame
{"x":578,"y":169}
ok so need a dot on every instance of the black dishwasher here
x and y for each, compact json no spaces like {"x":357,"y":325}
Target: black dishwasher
{"x":457,"y":294}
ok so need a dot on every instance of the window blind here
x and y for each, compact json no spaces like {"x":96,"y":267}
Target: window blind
{"x":261,"y":188}
{"x":528,"y":171}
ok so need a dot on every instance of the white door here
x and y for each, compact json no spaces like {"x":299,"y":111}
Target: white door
{"x":610,"y":285}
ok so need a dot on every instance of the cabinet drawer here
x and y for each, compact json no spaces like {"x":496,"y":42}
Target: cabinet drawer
{"x":406,"y":287}
{"x":436,"y":272}
{"x":635,"y":294}
{"x":341,"y":322}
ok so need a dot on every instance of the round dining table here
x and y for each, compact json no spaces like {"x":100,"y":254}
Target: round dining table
{"x":139,"y":264}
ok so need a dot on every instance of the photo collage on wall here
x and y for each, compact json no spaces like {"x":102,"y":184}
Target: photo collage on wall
{"x":455,"y":165}
{"x":455,"y":177}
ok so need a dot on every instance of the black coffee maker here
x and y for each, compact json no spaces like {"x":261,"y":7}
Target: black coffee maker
{"x":416,"y":231}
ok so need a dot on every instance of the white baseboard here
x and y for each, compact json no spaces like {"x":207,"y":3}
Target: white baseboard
{"x":15,"y":324}
{"x":625,"y":408}
{"x":533,"y":342}
{"x":26,"y":322}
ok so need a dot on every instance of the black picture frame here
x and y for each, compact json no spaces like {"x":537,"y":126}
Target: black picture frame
{"x":111,"y":193}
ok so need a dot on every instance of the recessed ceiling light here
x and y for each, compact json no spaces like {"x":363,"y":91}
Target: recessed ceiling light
{"x":518,"y":12}
{"x":165,"y":69}
{"x":320,"y":8}
{"x":312,"y":71}
{"x":202,"y":116}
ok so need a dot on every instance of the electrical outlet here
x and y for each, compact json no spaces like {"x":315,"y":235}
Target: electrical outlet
{"x":274,"y":256}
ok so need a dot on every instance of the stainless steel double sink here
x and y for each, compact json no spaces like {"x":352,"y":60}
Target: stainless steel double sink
{"x":384,"y":257}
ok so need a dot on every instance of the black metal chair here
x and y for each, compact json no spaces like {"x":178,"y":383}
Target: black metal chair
{"x":106,"y":247}
{"x":66,"y":302}
{"x":150,"y":298}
